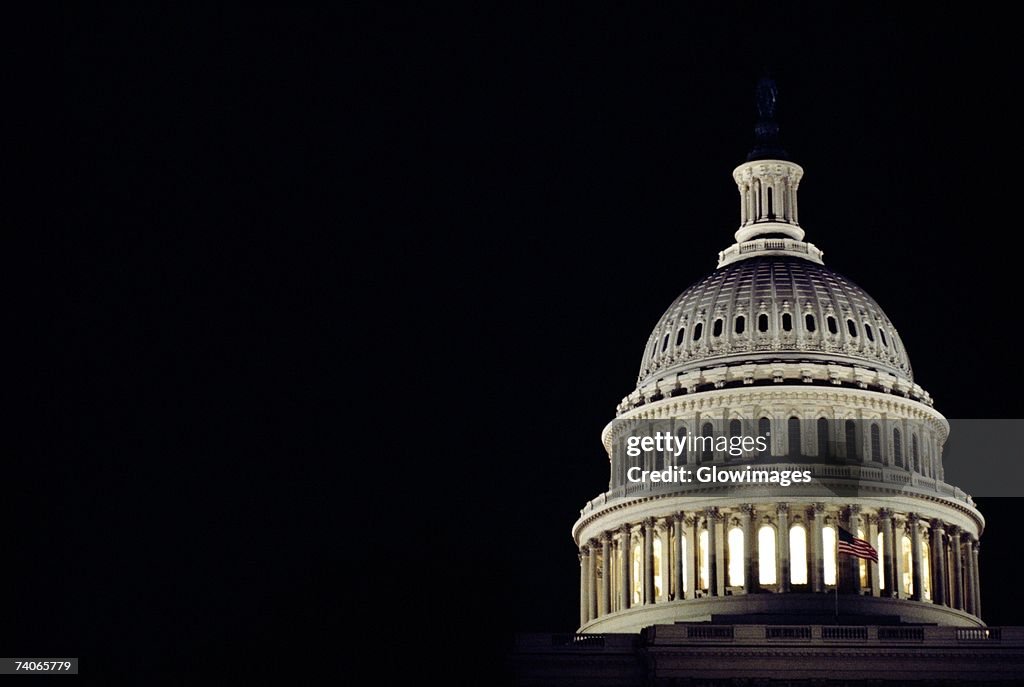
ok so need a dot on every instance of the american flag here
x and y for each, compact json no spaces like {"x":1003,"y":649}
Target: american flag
{"x":856,"y":547}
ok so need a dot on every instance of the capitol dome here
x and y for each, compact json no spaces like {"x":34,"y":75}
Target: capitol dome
{"x":775,"y":347}
{"x":767,"y":309}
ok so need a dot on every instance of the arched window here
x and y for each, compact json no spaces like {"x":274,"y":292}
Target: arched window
{"x":735,"y":540}
{"x":702,"y":554}
{"x":680,"y":335}
{"x":787,"y":322}
{"x":654,"y":349}
{"x":809,"y":322}
{"x":708,"y":445}
{"x":880,"y":549}
{"x":740,"y":325}
{"x":637,"y":573}
{"x":828,"y":540}
{"x":793,"y":433}
{"x":906,"y":558}
{"x":735,"y":430}
{"x":658,"y":582}
{"x":851,"y":440}
{"x":771,"y":205}
{"x":823,"y":439}
{"x":833,"y":328}
{"x":876,"y":444}
{"x":698,"y":329}
{"x":798,"y":554}
{"x":764,"y":429}
{"x":852,"y":328}
{"x":664,"y":343}
{"x":681,"y":434}
{"x":717,"y":329}
{"x":884,"y":341}
{"x":913,"y":453}
{"x":867,"y":330}
{"x":659,"y":460}
{"x":766,"y":554}
{"x":762,"y":322}
{"x":897,"y":447}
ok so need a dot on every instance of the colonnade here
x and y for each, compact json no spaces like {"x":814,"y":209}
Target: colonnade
{"x":777,"y":548}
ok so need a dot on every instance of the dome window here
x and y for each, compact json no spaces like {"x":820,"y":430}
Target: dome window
{"x":680,"y":336}
{"x":876,"y":444}
{"x":824,"y":445}
{"x":851,"y":326}
{"x":885,"y":342}
{"x":897,"y":447}
{"x":681,"y":434}
{"x":716,"y":331}
{"x":833,"y":328}
{"x":664,"y":343}
{"x":787,"y":322}
{"x":867,"y":330}
{"x":654,"y":349}
{"x":809,"y":322}
{"x":740,"y":325}
{"x":851,"y":440}
{"x":764,"y":429}
{"x":762,"y":322}
{"x":698,"y":329}
{"x":707,"y":451}
{"x":793,"y":432}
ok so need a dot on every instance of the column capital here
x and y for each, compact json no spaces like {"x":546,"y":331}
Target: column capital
{"x":648,"y":523}
{"x":679,"y":517}
{"x":853,"y":510}
{"x":884,"y":514}
{"x":712,"y":514}
{"x":819,"y":508}
{"x":954,"y":532}
{"x":606,"y":537}
{"x":913,"y":518}
{"x":583,"y":552}
{"x":782,"y":508}
{"x":747,"y":509}
{"x":625,"y":529}
{"x":594,"y":544}
{"x":689,"y":521}
{"x":938,"y":525}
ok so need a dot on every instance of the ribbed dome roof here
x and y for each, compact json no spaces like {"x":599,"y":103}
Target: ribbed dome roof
{"x":773,"y":308}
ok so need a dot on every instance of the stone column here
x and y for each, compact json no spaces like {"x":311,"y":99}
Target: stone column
{"x":976,"y":552}
{"x":592,"y":579}
{"x":746,"y":521}
{"x":889,"y":551}
{"x":627,"y":554}
{"x":850,"y":567}
{"x":677,"y":556}
{"x":968,"y":547}
{"x":606,"y":574}
{"x":816,"y":515}
{"x":692,"y":551}
{"x":958,"y":577}
{"x":648,"y":561}
{"x":584,"y":595}
{"x":899,"y":530}
{"x":665,"y":535}
{"x":938,"y":563}
{"x":914,"y":523}
{"x":711,"y":516}
{"x":782,"y":547}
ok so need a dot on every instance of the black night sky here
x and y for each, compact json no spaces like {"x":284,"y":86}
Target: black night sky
{"x":338,"y":302}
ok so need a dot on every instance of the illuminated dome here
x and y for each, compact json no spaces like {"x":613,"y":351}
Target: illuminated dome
{"x":768,"y":309}
{"x":775,"y":344}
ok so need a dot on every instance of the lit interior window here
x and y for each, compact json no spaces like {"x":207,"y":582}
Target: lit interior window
{"x":881,"y":548}
{"x":828,"y":537}
{"x":682,"y":549}
{"x":766,"y":554}
{"x":658,"y":582}
{"x":638,"y":574}
{"x":702,"y":550}
{"x":926,"y":572}
{"x":735,"y":557}
{"x":798,"y":554}
{"x":905,"y":556}
{"x":862,"y":564}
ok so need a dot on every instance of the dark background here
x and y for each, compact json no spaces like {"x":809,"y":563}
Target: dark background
{"x":338,"y":302}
